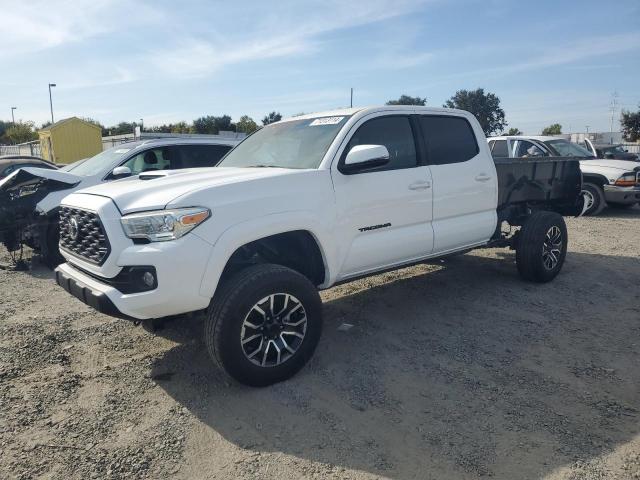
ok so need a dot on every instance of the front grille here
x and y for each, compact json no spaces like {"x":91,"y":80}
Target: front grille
{"x":82,"y":234}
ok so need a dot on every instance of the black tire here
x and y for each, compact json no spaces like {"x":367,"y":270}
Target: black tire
{"x":230,"y":311}
{"x":596,"y":193}
{"x":534,"y":247}
{"x":51,"y":255}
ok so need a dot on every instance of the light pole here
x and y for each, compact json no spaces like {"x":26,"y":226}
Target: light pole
{"x":13,"y":120}
{"x":51,"y":101}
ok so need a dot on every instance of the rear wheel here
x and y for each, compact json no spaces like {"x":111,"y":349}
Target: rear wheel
{"x":541,"y":247}
{"x":594,"y":198}
{"x":264,"y":324}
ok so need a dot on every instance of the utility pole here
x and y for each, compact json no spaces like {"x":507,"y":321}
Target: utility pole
{"x":587,"y":127}
{"x":51,"y":101}
{"x":614,"y":105}
{"x":351,"y":97}
{"x":13,"y":120}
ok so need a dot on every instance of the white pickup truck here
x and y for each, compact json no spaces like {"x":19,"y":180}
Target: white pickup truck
{"x":302,"y":205}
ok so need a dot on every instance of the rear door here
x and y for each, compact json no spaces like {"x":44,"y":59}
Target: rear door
{"x":465,"y":187}
{"x":384,"y":214}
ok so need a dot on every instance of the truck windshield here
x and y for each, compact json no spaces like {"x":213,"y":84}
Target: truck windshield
{"x":568,"y":149}
{"x":102,"y":161}
{"x":292,"y":144}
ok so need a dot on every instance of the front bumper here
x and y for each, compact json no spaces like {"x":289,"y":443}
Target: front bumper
{"x":622,"y":195}
{"x":88,"y":294}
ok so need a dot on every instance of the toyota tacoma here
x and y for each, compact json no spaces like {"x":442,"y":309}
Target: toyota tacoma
{"x":302,"y":205}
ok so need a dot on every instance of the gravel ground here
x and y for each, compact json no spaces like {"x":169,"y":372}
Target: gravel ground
{"x":452,"y":370}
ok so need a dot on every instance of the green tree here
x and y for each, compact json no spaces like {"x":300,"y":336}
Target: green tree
{"x":514,"y":131}
{"x":212,"y":125}
{"x":246,"y":125}
{"x":181,"y":127}
{"x":122,"y":128}
{"x":485,"y":107}
{"x":271,"y":118}
{"x":630,"y":123}
{"x":408,"y":100}
{"x":553,"y":129}
{"x":21,"y":132}
{"x":165,"y":128}
{"x":3,"y":128}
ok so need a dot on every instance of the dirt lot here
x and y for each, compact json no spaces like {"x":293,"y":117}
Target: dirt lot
{"x":454,"y":370}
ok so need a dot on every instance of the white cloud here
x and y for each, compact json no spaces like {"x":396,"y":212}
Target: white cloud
{"x":288,"y":28}
{"x":35,"y":25}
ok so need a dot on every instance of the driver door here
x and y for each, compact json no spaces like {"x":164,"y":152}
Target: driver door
{"x":384,"y":214}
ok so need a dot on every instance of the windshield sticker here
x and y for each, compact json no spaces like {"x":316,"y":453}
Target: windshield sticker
{"x":122,"y":150}
{"x":326,"y":121}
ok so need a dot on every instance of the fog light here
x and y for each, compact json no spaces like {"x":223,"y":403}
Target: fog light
{"x":149,"y":279}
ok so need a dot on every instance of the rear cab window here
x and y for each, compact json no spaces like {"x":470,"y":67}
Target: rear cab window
{"x":448,"y":139}
{"x":499,"y":149}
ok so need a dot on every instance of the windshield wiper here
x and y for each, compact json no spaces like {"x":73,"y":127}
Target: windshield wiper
{"x":263,"y":166}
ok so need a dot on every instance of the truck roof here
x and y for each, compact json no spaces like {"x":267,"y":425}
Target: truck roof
{"x":343,"y":112}
{"x":540,"y":138}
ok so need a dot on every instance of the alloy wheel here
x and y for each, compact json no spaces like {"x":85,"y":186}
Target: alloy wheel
{"x":273,"y":330}
{"x":552,"y":248}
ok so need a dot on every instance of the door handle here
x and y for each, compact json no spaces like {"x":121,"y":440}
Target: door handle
{"x":483,"y":178}
{"x":420,"y":186}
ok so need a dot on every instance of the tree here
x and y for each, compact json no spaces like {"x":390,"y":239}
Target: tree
{"x":21,"y":132}
{"x":181,"y":127}
{"x":212,"y":125}
{"x":271,"y":118}
{"x":485,"y":107}
{"x":630,"y":123}
{"x":553,"y":129}
{"x":123,"y":128}
{"x":407,"y":100}
{"x":3,"y":128}
{"x":246,"y":125}
{"x":514,"y":131}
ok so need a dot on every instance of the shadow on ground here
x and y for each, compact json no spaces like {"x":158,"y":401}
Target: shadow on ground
{"x":454,"y":372}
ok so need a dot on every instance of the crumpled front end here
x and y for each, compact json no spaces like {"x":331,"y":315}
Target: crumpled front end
{"x":20,"y":194}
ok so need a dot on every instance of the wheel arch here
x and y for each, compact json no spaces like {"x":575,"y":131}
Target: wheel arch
{"x":595,"y":178}
{"x":299,"y":247}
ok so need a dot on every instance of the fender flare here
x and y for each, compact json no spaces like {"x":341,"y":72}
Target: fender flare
{"x":246,"y":232}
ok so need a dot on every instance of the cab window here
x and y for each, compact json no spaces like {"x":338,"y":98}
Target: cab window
{"x":526,"y":149}
{"x":395,"y":133}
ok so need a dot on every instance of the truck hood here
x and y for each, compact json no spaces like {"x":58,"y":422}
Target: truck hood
{"x":621,"y":165}
{"x":155,"y":190}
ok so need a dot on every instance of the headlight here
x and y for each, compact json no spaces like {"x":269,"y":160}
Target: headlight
{"x":626,"y":180}
{"x":163,"y":225}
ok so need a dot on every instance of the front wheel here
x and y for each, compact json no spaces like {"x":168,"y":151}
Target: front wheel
{"x":542,"y":247}
{"x":264,"y":324}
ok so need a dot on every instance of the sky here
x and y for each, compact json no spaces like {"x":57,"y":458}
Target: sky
{"x":167,"y":61}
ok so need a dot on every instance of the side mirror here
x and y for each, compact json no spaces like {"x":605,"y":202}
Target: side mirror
{"x":121,"y":172}
{"x":364,"y":157}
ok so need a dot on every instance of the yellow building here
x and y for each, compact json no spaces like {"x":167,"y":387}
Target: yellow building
{"x":69,"y":140}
